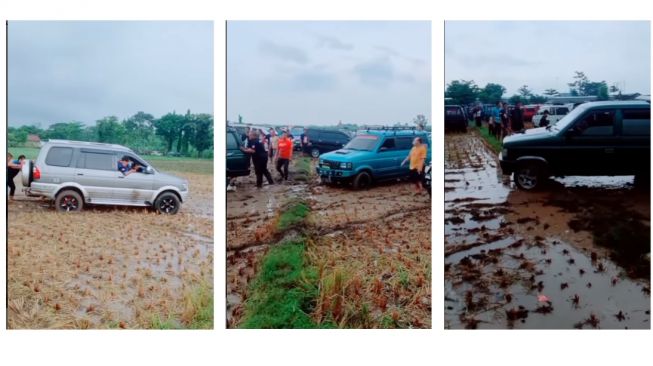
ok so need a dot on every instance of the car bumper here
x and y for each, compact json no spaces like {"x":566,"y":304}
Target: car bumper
{"x":43,"y":190}
{"x":334,"y":174}
{"x":507,"y":166}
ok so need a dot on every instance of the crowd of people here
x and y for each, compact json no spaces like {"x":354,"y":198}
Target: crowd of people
{"x":270,"y":149}
{"x":504,"y":121}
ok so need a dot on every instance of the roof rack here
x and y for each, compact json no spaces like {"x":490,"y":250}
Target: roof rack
{"x":390,"y":128}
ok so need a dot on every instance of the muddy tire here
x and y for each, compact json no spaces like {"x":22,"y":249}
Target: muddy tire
{"x":69,"y":201}
{"x":529,"y":177}
{"x":363,"y":180}
{"x":167,"y":203}
{"x":315,"y":152}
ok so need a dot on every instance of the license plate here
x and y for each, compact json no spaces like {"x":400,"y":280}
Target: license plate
{"x":326,"y":167}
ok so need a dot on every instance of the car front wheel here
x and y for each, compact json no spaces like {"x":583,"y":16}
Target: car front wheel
{"x":167,"y":203}
{"x":528,"y":177}
{"x":362,"y":180}
{"x":69,"y":201}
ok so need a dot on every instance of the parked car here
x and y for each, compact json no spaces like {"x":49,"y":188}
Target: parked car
{"x":529,"y":112}
{"x":596,"y":138}
{"x":237,"y":160}
{"x":325,"y":140}
{"x":296,"y":133}
{"x":455,"y":118}
{"x":372,"y":155}
{"x":74,"y":174}
{"x":556,"y":112}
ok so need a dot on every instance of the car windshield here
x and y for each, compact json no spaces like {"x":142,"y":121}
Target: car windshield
{"x":568,"y":118}
{"x":362,"y":142}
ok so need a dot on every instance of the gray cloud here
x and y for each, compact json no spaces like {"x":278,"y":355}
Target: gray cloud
{"x":314,"y":80}
{"x":333,"y":43}
{"x":375,"y":73}
{"x":286,"y":53}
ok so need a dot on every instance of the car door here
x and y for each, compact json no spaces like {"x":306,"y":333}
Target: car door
{"x":135,"y":188}
{"x":634,"y":147}
{"x":96,"y":171}
{"x":403,"y":146}
{"x":387,"y":159}
{"x":590,"y":144}
{"x":335,"y":140}
{"x":237,"y":161}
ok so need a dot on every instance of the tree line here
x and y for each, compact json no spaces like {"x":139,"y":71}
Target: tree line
{"x":467,"y":92}
{"x":187,"y":135}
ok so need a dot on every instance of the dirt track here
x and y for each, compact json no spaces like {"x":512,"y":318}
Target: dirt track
{"x":381,"y":235}
{"x":541,"y":260}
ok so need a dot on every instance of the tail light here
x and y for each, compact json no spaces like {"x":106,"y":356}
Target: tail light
{"x":37,"y":173}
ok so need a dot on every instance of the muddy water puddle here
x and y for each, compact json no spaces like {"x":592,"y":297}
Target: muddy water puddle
{"x":515,"y":259}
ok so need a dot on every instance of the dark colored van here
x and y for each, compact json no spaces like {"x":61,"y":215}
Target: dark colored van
{"x":596,"y":138}
{"x":455,"y":118}
{"x":324,"y":140}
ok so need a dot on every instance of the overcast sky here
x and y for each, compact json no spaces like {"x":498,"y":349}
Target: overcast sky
{"x":83,"y":71}
{"x":291,"y":72}
{"x":545,"y":55}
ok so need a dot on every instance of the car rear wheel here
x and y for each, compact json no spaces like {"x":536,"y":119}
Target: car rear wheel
{"x":362,"y":180}
{"x":315,"y":152}
{"x":167,"y":203}
{"x":69,"y":201}
{"x":528,"y":177}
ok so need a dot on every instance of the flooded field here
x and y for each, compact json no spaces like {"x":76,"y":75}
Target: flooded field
{"x":111,"y":267}
{"x":376,"y":243}
{"x":574,"y":255}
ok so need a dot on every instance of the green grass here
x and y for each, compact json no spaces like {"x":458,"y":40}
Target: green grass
{"x":163,"y":163}
{"x":169,"y":323}
{"x":282,"y":295}
{"x":492,"y":141}
{"x":199,"y":303}
{"x":302,"y":169}
{"x":295,"y":214}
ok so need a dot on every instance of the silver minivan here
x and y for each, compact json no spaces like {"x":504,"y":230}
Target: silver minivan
{"x":75,"y":173}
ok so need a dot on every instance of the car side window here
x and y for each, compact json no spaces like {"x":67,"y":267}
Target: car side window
{"x":596,"y":123}
{"x":59,"y":156}
{"x":562,"y":111}
{"x":388,"y":144}
{"x":404,"y":143}
{"x":98,"y":161}
{"x":232,"y":143}
{"x":636,"y":122}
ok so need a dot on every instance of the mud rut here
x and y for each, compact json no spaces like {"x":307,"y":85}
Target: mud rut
{"x":349,"y":227}
{"x":506,"y":269}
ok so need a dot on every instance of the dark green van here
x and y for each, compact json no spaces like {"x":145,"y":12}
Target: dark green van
{"x":596,"y":138}
{"x":237,"y":160}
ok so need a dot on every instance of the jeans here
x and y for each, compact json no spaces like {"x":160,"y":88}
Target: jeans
{"x":261,"y":169}
{"x":283,"y":164}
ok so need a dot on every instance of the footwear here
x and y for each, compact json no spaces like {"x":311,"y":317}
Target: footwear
{"x":231,"y":188}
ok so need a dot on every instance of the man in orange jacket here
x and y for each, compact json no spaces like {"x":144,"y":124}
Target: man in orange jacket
{"x":284,"y":154}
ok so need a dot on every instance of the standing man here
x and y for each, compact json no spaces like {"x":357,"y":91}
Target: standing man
{"x":517,"y":118}
{"x":273,"y":141}
{"x":305,"y":142}
{"x":417,"y":157}
{"x":544,"y":122}
{"x":284,"y":154}
{"x":259,"y":158}
{"x":13,"y":168}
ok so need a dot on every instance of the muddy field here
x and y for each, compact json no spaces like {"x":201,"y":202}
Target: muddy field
{"x":574,"y":255}
{"x":376,"y":243}
{"x":110,"y":267}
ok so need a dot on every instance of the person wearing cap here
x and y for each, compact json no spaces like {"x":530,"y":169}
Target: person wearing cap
{"x":284,"y":154}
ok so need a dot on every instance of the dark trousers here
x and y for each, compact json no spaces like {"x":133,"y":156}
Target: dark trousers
{"x":261,"y":169}
{"x":283,"y":164}
{"x":11,"y":185}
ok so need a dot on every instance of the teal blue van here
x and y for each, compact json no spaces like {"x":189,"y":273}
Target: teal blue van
{"x":372,"y":155}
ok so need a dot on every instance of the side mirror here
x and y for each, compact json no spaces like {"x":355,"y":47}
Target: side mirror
{"x":149,"y":170}
{"x":383,"y":148}
{"x":571,"y":132}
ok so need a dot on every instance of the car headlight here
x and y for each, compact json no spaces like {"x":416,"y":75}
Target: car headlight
{"x":345,"y":165}
{"x":321,"y":161}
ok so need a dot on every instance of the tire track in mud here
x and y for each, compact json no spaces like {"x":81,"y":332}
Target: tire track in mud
{"x":511,"y":261}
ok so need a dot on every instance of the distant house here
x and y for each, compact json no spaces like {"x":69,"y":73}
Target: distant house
{"x":33,"y":140}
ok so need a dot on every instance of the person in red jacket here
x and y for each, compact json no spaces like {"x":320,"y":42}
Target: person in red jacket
{"x":284,"y":154}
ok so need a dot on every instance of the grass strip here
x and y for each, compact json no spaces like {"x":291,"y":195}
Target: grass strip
{"x":494,"y":143}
